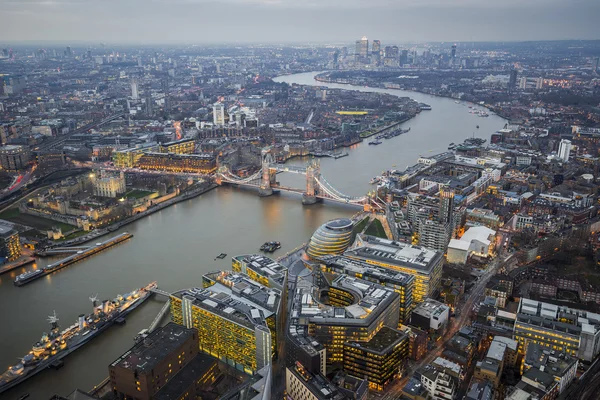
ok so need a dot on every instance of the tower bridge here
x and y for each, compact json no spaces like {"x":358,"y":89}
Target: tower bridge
{"x":317,"y":187}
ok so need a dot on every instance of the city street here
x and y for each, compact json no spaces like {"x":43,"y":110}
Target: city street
{"x":464,"y":319}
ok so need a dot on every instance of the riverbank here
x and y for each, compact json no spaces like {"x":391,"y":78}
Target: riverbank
{"x":117,"y":225}
{"x":20,"y":262}
{"x":319,"y":78}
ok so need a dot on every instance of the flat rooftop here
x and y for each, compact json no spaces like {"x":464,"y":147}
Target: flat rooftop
{"x":551,"y":361}
{"x":263,"y":266}
{"x":178,"y":384}
{"x":383,"y":340}
{"x":144,"y":356}
{"x":383,"y":275}
{"x":430,"y":308}
{"x":317,"y":384}
{"x":418,"y":258}
{"x":549,"y":316}
{"x":236,"y":297}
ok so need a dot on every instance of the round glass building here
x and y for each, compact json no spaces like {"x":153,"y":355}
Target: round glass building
{"x":333,"y":237}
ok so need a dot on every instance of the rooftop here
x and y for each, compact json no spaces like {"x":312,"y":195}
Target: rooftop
{"x":405,"y":255}
{"x":263,"y":266}
{"x":550,"y":361}
{"x":193,"y":370}
{"x":236,"y":297}
{"x":382,"y":275}
{"x":144,"y":356}
{"x":383,"y":340}
{"x":430,"y":308}
{"x":317,"y":384}
{"x":549,"y":316}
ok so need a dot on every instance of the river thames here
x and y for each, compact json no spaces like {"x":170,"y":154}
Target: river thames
{"x":177,"y":245}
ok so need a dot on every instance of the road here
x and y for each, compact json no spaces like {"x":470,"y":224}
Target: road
{"x":477,"y":291}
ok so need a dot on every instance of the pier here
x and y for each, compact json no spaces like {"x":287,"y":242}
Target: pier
{"x":80,"y":255}
{"x":161,"y":314}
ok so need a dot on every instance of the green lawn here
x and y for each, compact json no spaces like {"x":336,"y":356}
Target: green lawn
{"x":137,"y":194}
{"x":10,"y":213}
{"x":42,"y":224}
{"x":73,"y":235}
{"x":376,"y":229}
{"x":358,"y":228}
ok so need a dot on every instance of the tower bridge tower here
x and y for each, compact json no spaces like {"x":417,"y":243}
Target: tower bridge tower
{"x":313,"y":173}
{"x":265,"y":182}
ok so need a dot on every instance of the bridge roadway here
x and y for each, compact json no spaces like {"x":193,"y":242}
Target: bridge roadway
{"x":294,"y":190}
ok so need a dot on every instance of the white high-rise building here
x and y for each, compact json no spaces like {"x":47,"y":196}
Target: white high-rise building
{"x":564,"y":150}
{"x":219,"y":114}
{"x":134,"y":89}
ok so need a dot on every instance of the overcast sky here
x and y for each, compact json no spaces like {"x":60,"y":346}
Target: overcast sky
{"x":210,"y":21}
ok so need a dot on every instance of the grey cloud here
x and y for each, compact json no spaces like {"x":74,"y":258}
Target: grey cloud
{"x":204,"y":21}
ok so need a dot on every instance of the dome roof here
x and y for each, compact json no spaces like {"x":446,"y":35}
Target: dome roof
{"x":333,"y":237}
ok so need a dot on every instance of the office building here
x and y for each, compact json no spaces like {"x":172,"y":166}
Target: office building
{"x":108,"y":185}
{"x":333,"y":237}
{"x":480,"y":391}
{"x":450,"y":367}
{"x":422,"y":263}
{"x":391,"y":56}
{"x":512,"y":81}
{"x":134,"y":89}
{"x":345,"y":309}
{"x":237,"y":319}
{"x":129,"y":158}
{"x":166,"y":365}
{"x":477,"y":240}
{"x":14,"y":158}
{"x":10,"y":243}
{"x":563,"y":329}
{"x":261,"y":269}
{"x":430,"y":315}
{"x":361,"y":52}
{"x":301,"y":384}
{"x":564,"y":150}
{"x":438,"y":384}
{"x":378,"y":360}
{"x":401,"y":282}
{"x":434,"y":235}
{"x":501,"y":353}
{"x":219,"y":114}
{"x":561,"y":366}
{"x":376,"y":51}
{"x":483,"y":217}
{"x":182,"y":146}
{"x":171,"y":162}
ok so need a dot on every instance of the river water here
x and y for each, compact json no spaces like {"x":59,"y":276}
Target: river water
{"x":177,"y":245}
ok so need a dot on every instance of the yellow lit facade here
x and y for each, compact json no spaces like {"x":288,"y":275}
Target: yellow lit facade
{"x":236,"y":325}
{"x":226,"y":340}
{"x":425,"y":284}
{"x":184,"y":163}
{"x":403,"y":284}
{"x":10,"y":245}
{"x":378,"y":361}
{"x":129,"y":158}
{"x":185,"y":146}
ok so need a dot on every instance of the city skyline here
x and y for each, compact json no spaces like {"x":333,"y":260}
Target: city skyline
{"x":185,"y":21}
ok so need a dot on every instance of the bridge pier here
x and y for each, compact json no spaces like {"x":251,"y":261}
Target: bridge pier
{"x":265,"y":191}
{"x":308,"y":200}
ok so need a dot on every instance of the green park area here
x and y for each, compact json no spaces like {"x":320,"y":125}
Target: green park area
{"x":137,"y":194}
{"x":376,"y":229}
{"x":39,"y":223}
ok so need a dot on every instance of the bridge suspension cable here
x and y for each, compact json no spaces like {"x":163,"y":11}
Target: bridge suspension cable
{"x":331,"y":191}
{"x":227,"y":175}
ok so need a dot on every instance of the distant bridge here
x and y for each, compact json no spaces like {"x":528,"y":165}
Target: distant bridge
{"x":317,"y":187}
